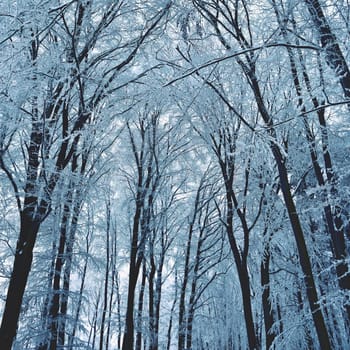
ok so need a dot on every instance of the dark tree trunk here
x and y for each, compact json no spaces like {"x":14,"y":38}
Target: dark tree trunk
{"x":128,"y":340}
{"x":191,"y":311}
{"x":194,"y":291}
{"x":140,"y":227}
{"x":182,"y":302}
{"x":269,"y":321}
{"x":151,"y":292}
{"x":245,"y":287}
{"x":140,"y":308}
{"x":119,"y":339}
{"x":107,"y":267}
{"x":113,"y":281}
{"x":240,"y":258}
{"x":134,"y":268}
{"x":170,"y":326}
{"x":182,"y":330}
{"x":53,"y":315}
{"x":67,"y":269}
{"x":21,"y":268}
{"x":93,"y":331}
{"x":158,"y":294}
{"x":80,"y":300}
{"x":45,"y":324}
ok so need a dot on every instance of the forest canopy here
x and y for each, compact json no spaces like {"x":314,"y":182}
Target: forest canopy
{"x":174,"y":174}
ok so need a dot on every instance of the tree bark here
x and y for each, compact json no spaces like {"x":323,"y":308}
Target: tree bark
{"x":21,"y":268}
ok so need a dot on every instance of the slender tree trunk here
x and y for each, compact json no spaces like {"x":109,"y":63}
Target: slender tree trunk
{"x":105,"y":292}
{"x":94,"y":327}
{"x":182,"y":306}
{"x":119,"y":339}
{"x":158,"y":294}
{"x":151,"y":297}
{"x":80,"y":300}
{"x":269,"y":320}
{"x":45,"y":321}
{"x":55,"y":292}
{"x":68,"y":269}
{"x":182,"y":302}
{"x":31,"y":214}
{"x":279,"y":317}
{"x":113,"y":280}
{"x":134,"y":269}
{"x":170,"y":326}
{"x":191,"y":311}
{"x":240,"y":261}
{"x":140,"y":223}
{"x":193,"y":294}
{"x":140,"y":308}
{"x":245,"y":290}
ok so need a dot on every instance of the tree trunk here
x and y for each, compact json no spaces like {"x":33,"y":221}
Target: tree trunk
{"x":134,"y":269}
{"x":152,"y":272}
{"x":170,"y":326}
{"x":53,"y":315}
{"x":241,"y":262}
{"x":113,"y":281}
{"x":80,"y":300}
{"x":107,"y":267}
{"x":93,"y":331}
{"x":158,"y":294}
{"x":269,"y":321}
{"x":182,"y":306}
{"x":128,"y":340}
{"x":245,"y":290}
{"x":140,"y":308}
{"x":119,"y":340}
{"x":21,"y":268}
